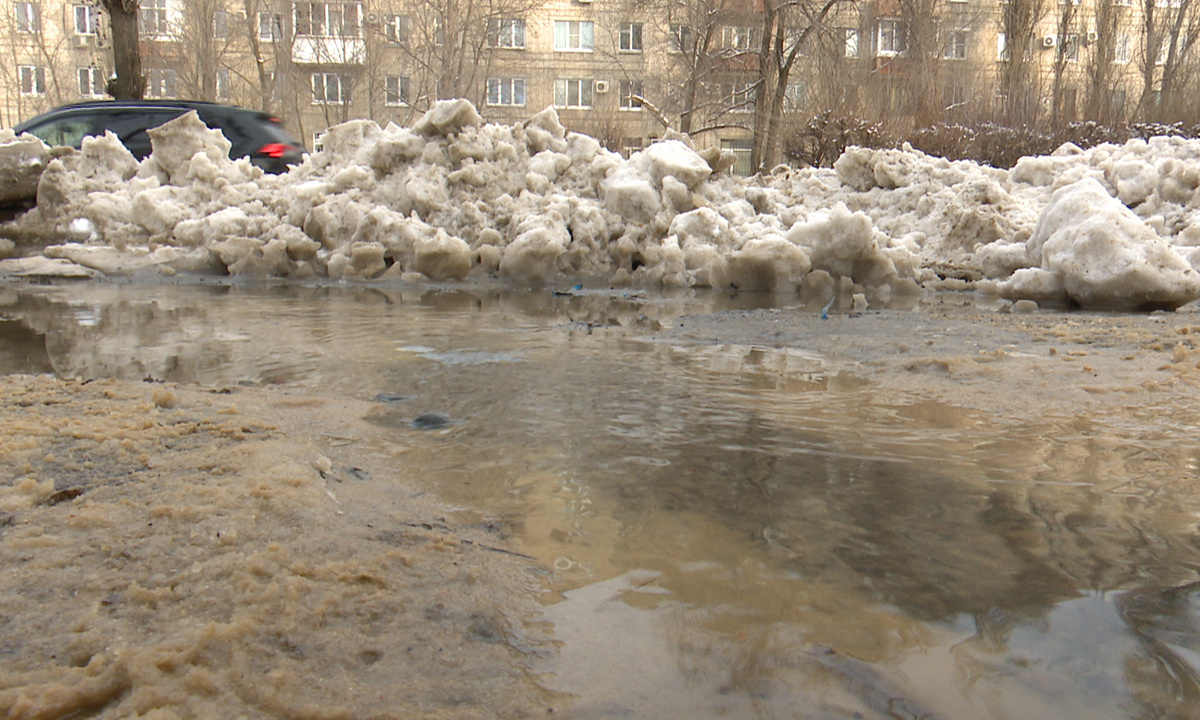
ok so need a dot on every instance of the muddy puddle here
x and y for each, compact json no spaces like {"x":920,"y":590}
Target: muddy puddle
{"x":731,"y":507}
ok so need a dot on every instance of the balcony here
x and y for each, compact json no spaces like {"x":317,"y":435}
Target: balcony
{"x":317,"y":50}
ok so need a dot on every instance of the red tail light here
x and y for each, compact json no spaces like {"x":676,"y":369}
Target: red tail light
{"x":275,"y":150}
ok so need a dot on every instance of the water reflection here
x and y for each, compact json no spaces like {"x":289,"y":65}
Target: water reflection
{"x":731,"y":529}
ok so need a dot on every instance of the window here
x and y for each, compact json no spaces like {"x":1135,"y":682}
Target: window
{"x":318,"y":141}
{"x":91,"y":82}
{"x":1070,"y":48}
{"x":574,"y":35}
{"x":679,"y":39}
{"x":739,"y":96}
{"x":573,"y":93}
{"x":33,"y":79}
{"x":631,"y":95}
{"x":1002,"y":47}
{"x":791,"y":39}
{"x":1123,"y":49}
{"x":736,"y":38}
{"x":224,"y":85}
{"x":329,"y":88}
{"x":629,"y":37}
{"x":743,"y":150}
{"x":1118,"y":103}
{"x":152,"y":18}
{"x":328,"y":19}
{"x":956,"y":45}
{"x":160,"y":83}
{"x":506,"y":33}
{"x":506,"y":91}
{"x":87,"y":19}
{"x":395,"y":90}
{"x":221,"y":24}
{"x":270,"y":27}
{"x":795,"y":97}
{"x":397,"y":29}
{"x":631,"y":145}
{"x":892,"y":37}
{"x":27,"y":17}
{"x":850,"y":42}
{"x":1164,"y":51}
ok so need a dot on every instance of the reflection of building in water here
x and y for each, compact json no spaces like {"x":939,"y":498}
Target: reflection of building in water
{"x":616,"y":70}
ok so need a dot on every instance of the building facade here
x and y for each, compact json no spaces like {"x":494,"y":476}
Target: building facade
{"x":626,"y":70}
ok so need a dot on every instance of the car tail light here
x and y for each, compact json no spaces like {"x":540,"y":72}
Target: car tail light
{"x":275,"y":150}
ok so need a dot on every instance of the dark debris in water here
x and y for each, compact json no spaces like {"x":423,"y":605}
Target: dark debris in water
{"x":431,"y":421}
{"x":391,"y":397}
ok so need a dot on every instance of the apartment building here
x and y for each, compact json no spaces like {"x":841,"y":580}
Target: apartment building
{"x":624,"y":70}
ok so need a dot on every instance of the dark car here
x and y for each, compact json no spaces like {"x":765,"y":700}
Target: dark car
{"x":256,"y":135}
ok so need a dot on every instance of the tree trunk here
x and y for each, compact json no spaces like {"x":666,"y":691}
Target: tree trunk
{"x":129,"y":84}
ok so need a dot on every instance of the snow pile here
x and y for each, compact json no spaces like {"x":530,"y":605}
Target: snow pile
{"x":454,"y":198}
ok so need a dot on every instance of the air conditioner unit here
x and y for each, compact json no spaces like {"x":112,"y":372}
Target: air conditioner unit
{"x":1049,"y":41}
{"x":1092,"y":36}
{"x":601,"y":86}
{"x":83,"y":41}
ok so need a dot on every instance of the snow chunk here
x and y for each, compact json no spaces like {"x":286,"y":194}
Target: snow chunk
{"x":174,"y":144}
{"x":22,"y":160}
{"x":448,"y":117}
{"x":1103,"y":256}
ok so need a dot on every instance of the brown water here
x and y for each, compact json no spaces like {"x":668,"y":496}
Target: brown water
{"x":922,"y":512}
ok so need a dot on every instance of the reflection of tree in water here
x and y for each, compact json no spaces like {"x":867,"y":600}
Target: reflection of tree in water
{"x":933,"y":544}
{"x":1167,"y":623}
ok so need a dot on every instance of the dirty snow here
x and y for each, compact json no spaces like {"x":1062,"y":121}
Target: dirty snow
{"x":453,"y":198}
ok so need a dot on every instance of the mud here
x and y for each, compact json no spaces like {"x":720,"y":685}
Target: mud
{"x":181,"y":553}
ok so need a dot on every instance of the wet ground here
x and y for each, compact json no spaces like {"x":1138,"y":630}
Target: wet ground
{"x":727,"y":507}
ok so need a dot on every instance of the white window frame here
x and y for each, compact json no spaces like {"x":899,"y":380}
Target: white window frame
{"x":506,"y":92}
{"x":574,"y":36}
{"x":222,"y":22}
{"x":397,"y":29}
{"x":396,"y":89}
{"x":574,"y":94}
{"x":956,"y":44}
{"x":224,"y":85}
{"x":323,"y":97}
{"x":795,"y":97}
{"x":154,"y":19}
{"x":628,"y":89}
{"x":506,"y":33}
{"x":891,"y":37}
{"x":327,"y":19}
{"x":31,"y":80}
{"x":1002,"y":52}
{"x":162,"y":83}
{"x":1123,"y":49}
{"x":92,"y":83}
{"x":739,"y":38}
{"x":629,"y":37}
{"x":679,"y":37}
{"x":270,"y":27}
{"x":850,"y":43}
{"x":1070,"y":43}
{"x":318,"y":140}
{"x":87,"y":19}
{"x":27,"y":19}
{"x":740,"y":96}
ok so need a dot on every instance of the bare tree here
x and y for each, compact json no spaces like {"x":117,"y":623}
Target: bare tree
{"x":1109,"y":48}
{"x":788,"y":27}
{"x":129,"y":83}
{"x":1066,"y":50}
{"x":1017,"y":43}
